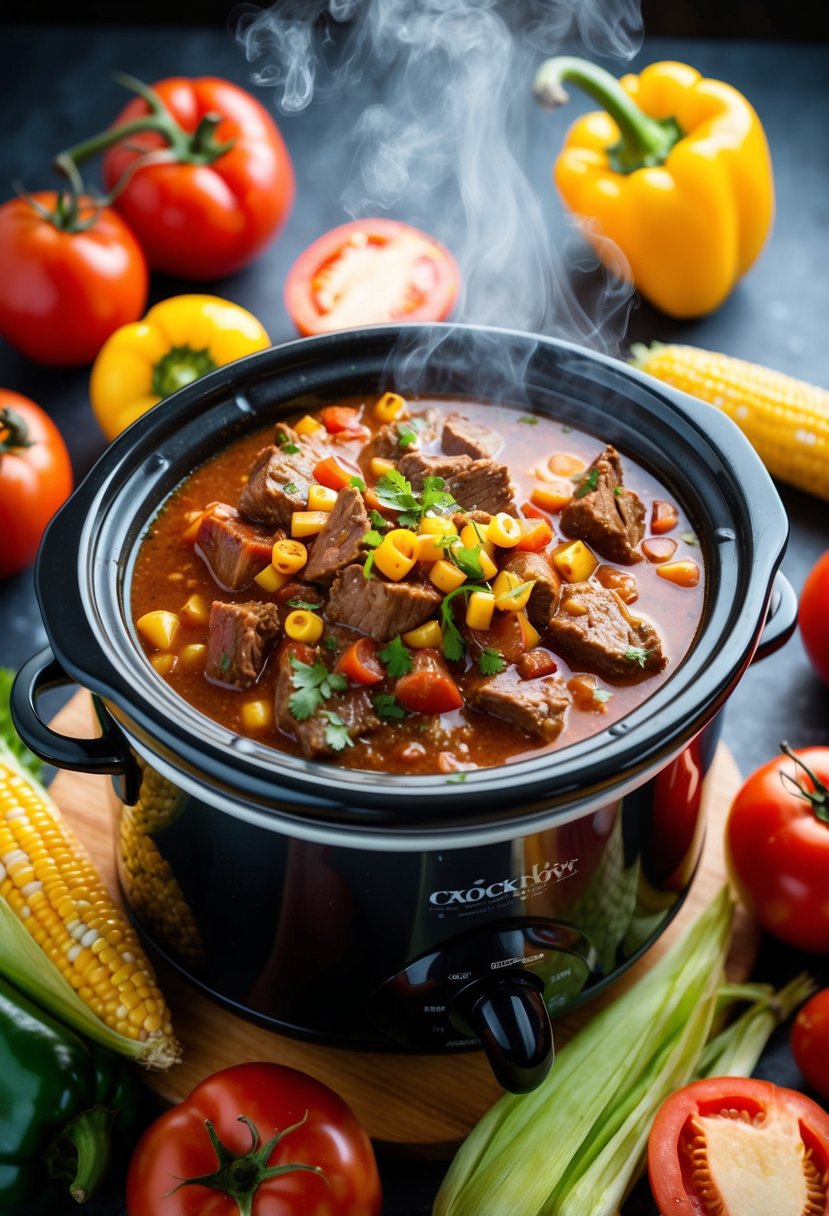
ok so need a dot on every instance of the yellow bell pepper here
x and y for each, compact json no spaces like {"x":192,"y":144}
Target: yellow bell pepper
{"x":179,"y":340}
{"x":675,"y":171}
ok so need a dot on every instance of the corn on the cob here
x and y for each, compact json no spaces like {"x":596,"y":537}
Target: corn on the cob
{"x":62,"y":939}
{"x":786,"y":420}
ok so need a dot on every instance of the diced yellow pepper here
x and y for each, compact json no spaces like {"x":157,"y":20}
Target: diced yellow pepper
{"x":288,"y":556}
{"x":427,"y":548}
{"x":488,"y":567}
{"x":429,"y":634}
{"x":270,"y":579}
{"x":196,"y":610}
{"x":160,"y":628}
{"x":504,"y":590}
{"x":531,"y":635}
{"x":193,"y":654}
{"x":163,"y":663}
{"x":504,"y":531}
{"x":574,"y":561}
{"x":389,"y":407}
{"x":396,"y":554}
{"x":445,"y":576}
{"x":303,"y":626}
{"x":256,"y":715}
{"x":320,"y":498}
{"x":380,"y":466}
{"x":308,"y":523}
{"x":479,"y":610}
{"x":475,"y":536}
{"x":307,"y":425}
{"x":438,"y":525}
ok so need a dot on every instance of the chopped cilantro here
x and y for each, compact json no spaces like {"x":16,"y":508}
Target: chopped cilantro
{"x":689,"y":538}
{"x":371,"y":540}
{"x":491,"y":661}
{"x":435,"y":497}
{"x":314,"y":683}
{"x":637,"y":654}
{"x":529,"y":419}
{"x":466,"y":559}
{"x":368,"y":565}
{"x":290,"y":488}
{"x":590,"y":482}
{"x":457,"y":778}
{"x":397,"y":658}
{"x":387,"y":706}
{"x":224,"y":662}
{"x":565,"y":430}
{"x":395,"y":492}
{"x":377,"y":521}
{"x":602,"y":695}
{"x":331,"y":642}
{"x":336,"y":731}
{"x":453,"y":643}
{"x":617,"y":490}
{"x":306,"y":605}
{"x":406,"y":436}
{"x":357,"y":482}
{"x":287,"y":445}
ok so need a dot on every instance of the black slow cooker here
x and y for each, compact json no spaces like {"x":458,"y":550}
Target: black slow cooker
{"x":373,"y":911}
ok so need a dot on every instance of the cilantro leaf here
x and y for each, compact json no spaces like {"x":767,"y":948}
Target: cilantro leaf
{"x":357,"y":482}
{"x":336,"y":731}
{"x":8,"y":734}
{"x":372,"y":539}
{"x":290,"y":488}
{"x":453,"y":643}
{"x":377,"y":522}
{"x":306,"y":605}
{"x":368,"y":565}
{"x":395,"y":492}
{"x":689,"y":538}
{"x":331,"y":642}
{"x":529,"y":419}
{"x":287,"y":444}
{"x":435,"y":497}
{"x":467,"y":560}
{"x":589,"y":484}
{"x":387,"y":706}
{"x":406,"y":436}
{"x":602,"y":695}
{"x":491,"y":661}
{"x":397,"y":658}
{"x":637,"y":654}
{"x":456,"y":778}
{"x":313,"y":683}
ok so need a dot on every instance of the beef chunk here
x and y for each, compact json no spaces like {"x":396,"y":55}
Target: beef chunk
{"x":314,"y":446}
{"x":461,"y":518}
{"x":462,"y":437}
{"x":239,"y":637}
{"x":386,"y":442}
{"x":544,"y":595}
{"x":604,"y":514}
{"x":379,"y":608}
{"x":594,"y":629}
{"x":276,"y":487}
{"x":353,"y":708}
{"x":480,"y":485}
{"x":535,"y":707}
{"x":341,"y":540}
{"x":233,"y":549}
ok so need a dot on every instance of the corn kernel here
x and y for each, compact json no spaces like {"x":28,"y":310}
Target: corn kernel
{"x":445,"y":576}
{"x":380,"y":466}
{"x":479,"y":610}
{"x":504,"y":530}
{"x":389,"y":407}
{"x":475,"y":536}
{"x":288,"y":556}
{"x":512,"y":599}
{"x":429,"y":634}
{"x":428,"y":549}
{"x":531,"y":635}
{"x":192,"y":655}
{"x":574,"y":561}
{"x":163,"y":663}
{"x":303,"y":626}
{"x":256,"y":715}
{"x":308,"y":523}
{"x":307,"y":425}
{"x":396,"y":554}
{"x":160,"y":628}
{"x":321,"y":498}
{"x":488,"y":567}
{"x":196,"y":610}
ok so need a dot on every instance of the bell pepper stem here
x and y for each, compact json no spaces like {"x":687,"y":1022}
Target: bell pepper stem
{"x":644,"y":141}
{"x":89,"y":1132}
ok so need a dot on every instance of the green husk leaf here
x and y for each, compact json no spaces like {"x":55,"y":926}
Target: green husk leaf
{"x":8,"y":734}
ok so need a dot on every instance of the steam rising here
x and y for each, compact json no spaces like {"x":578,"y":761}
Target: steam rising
{"x":447,"y":104}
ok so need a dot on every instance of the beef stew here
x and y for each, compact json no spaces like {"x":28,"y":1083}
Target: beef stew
{"x":418,"y":586}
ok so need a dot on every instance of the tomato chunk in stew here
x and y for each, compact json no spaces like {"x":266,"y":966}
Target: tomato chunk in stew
{"x":436,"y":587}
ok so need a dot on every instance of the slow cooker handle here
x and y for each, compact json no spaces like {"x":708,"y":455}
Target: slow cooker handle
{"x":109,"y":753}
{"x":781,"y":621}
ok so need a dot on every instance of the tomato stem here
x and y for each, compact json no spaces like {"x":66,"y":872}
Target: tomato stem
{"x":199,"y":148}
{"x":14,"y":433}
{"x":239,"y":1175}
{"x":817,"y":797}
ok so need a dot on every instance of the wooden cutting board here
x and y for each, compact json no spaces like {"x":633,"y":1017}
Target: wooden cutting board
{"x":412,"y":1105}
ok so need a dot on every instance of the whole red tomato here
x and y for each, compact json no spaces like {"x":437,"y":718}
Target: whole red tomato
{"x":777,"y":845}
{"x":35,"y":478}
{"x":810,"y":1042}
{"x":813,"y":614}
{"x":221,"y":190}
{"x":264,"y":1140}
{"x":71,"y":275}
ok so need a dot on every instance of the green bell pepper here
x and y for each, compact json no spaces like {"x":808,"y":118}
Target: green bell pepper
{"x":61,"y":1099}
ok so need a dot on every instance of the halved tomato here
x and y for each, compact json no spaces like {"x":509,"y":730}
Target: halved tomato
{"x":369,"y":272}
{"x":736,"y":1145}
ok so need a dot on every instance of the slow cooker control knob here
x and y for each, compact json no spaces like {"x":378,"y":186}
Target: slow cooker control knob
{"x":507,"y":1013}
